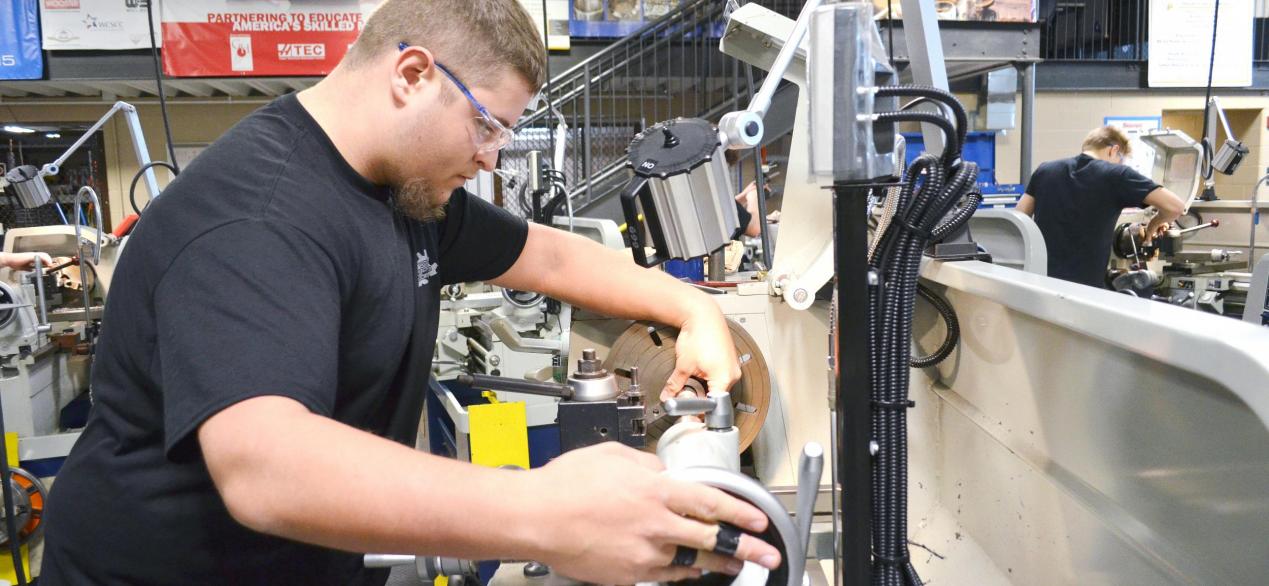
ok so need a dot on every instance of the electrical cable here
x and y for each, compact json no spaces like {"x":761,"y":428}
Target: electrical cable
{"x":158,"y":81}
{"x":937,"y":197}
{"x":890,"y":29}
{"x":10,"y":521}
{"x":952,"y":151}
{"x":132,"y":189}
{"x":931,"y":93}
{"x":546,"y":86}
{"x":555,"y":185}
{"x":953,"y":336}
{"x":760,"y":183}
{"x":1207,"y":100}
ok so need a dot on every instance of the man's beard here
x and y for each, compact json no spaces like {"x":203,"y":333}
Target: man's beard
{"x":421,"y":200}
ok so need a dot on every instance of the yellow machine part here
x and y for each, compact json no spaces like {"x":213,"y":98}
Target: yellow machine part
{"x":499,"y":435}
{"x":6,"y":561}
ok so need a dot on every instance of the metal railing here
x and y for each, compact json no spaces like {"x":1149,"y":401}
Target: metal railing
{"x":1094,"y":30}
{"x":670,"y":68}
{"x":1115,"y":30}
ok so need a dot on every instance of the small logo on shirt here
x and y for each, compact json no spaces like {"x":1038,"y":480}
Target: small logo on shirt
{"x":424,"y":267}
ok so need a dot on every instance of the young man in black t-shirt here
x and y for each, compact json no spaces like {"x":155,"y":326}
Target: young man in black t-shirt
{"x":266,"y":344}
{"x":1076,"y":201}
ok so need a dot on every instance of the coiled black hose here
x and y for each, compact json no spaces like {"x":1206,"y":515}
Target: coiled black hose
{"x":935,"y":94}
{"x":938,"y":195}
{"x":953,"y":336}
{"x":953,"y":149}
{"x":555,"y":183}
{"x":132,"y":189}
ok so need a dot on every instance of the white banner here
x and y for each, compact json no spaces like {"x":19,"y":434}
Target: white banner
{"x":97,"y":24}
{"x":1181,"y":43}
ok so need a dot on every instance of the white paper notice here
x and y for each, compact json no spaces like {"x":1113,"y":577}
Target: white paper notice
{"x":557,"y":19}
{"x":1181,"y":43}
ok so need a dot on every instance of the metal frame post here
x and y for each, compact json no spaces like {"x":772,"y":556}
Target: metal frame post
{"x":925,"y":54}
{"x":853,"y":400}
{"x":1027,"y":79}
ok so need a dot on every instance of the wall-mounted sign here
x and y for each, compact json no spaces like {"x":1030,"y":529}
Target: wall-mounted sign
{"x":222,"y":38}
{"x":97,"y":24}
{"x":1181,"y":43}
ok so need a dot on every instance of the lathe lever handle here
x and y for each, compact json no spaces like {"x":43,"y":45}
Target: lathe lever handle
{"x":515,"y":385}
{"x":384,"y":560}
{"x":682,"y":407}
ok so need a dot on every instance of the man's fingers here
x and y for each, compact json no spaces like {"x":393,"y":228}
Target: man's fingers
{"x":711,"y":505}
{"x":705,"y":536}
{"x":712,"y":562}
{"x":673,"y":574}
{"x":708,"y":561}
{"x":722,"y":381}
{"x":675,"y":384}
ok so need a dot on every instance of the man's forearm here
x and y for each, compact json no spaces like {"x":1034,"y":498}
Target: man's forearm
{"x":1159,"y":219}
{"x":606,"y":281}
{"x":305,"y":477}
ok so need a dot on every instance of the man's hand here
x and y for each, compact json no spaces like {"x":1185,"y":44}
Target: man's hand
{"x":1148,"y":237}
{"x":748,"y":198}
{"x":24,"y":261}
{"x":614,"y":519}
{"x":706,"y":350}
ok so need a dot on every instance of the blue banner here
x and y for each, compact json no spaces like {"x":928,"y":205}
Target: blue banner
{"x":20,"y":56}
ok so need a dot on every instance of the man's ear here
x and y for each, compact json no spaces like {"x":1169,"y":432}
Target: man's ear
{"x":413,"y":67}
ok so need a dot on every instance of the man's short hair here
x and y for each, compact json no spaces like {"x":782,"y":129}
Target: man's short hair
{"x":476,"y":39}
{"x":1107,"y":136}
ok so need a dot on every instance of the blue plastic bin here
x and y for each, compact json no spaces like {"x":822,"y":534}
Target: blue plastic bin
{"x":980,"y":147}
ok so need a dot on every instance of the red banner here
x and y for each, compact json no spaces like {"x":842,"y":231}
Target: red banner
{"x":257,"y":39}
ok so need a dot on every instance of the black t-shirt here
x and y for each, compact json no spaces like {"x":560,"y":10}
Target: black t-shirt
{"x":269,"y":267}
{"x":1077,"y":201}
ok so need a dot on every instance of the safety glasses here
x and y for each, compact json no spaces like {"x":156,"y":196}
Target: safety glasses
{"x":487,"y":132}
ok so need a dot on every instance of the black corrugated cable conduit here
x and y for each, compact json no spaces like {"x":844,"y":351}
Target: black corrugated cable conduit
{"x":937,"y":197}
{"x":953,"y":336}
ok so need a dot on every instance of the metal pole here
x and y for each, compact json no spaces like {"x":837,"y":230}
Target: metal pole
{"x":854,"y":390}
{"x":586,"y":132}
{"x":760,"y":181}
{"x":761,"y":101}
{"x":718,"y":266}
{"x":1027,"y":77}
{"x":925,"y":56}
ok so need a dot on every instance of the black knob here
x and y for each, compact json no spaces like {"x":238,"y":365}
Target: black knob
{"x":671,"y":141}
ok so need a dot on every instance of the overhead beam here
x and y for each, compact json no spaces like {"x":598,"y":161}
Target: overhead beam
{"x":145,"y":87}
{"x":229,"y":87}
{"x":267,"y":87}
{"x":78,"y":89}
{"x":119,"y":90}
{"x":42,"y":89}
{"x":190,"y":87}
{"x":296,"y":83}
